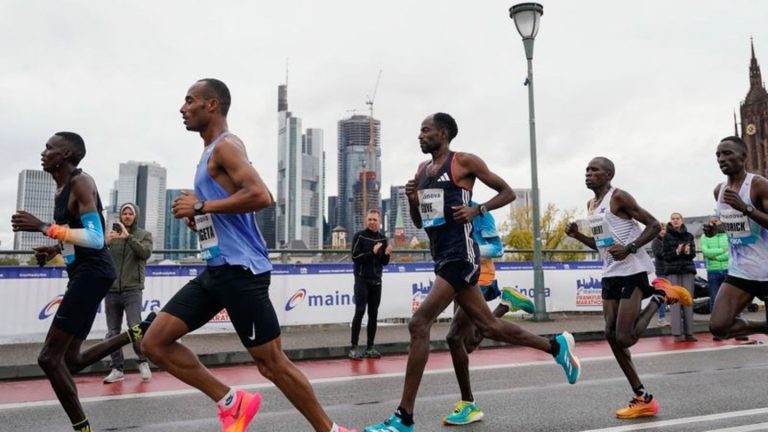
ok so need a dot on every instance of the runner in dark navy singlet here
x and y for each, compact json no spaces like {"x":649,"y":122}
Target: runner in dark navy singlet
{"x":439,"y":200}
{"x":79,"y":228}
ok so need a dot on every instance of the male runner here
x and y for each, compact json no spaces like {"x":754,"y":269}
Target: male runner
{"x":79,"y":228}
{"x":613,"y":219}
{"x":228,"y":191}
{"x":439,"y":197}
{"x":742,"y":204}
{"x":463,"y":337}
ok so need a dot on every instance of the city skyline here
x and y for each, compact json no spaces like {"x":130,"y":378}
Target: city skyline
{"x":656,"y":96}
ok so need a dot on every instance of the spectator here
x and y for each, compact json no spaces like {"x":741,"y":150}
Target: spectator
{"x":679,"y":251}
{"x":715,"y":251}
{"x":130,"y":247}
{"x":658,"y":261}
{"x":370,"y":253}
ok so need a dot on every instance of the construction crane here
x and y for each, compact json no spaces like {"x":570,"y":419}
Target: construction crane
{"x":371,"y":162}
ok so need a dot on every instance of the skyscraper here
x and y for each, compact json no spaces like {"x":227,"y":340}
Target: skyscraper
{"x":354,"y":157}
{"x":143,"y":183}
{"x":35,"y":194}
{"x":265,"y":220}
{"x":300,"y":179}
{"x":177,"y":234}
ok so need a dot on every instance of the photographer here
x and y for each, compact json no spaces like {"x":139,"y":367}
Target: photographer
{"x":130,"y":247}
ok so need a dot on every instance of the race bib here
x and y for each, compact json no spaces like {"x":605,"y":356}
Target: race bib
{"x":68,"y":252}
{"x":206,"y":234}
{"x":738,"y":227}
{"x":431,"y":203}
{"x":600,"y":231}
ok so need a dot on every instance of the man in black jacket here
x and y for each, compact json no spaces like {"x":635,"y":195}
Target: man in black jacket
{"x":370,"y":253}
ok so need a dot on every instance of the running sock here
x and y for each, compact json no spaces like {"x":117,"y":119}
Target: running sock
{"x":334,"y":428}
{"x":228,"y":401}
{"x":659,"y":297}
{"x":640,"y":391}
{"x":83,"y":426}
{"x":404,"y":415}
{"x":554,"y":346}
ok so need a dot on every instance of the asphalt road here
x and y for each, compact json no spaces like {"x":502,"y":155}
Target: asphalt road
{"x":707,"y":386}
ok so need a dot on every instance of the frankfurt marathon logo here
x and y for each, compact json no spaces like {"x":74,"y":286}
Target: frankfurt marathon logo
{"x":318,"y":300}
{"x":419,"y":292}
{"x":589,"y":292}
{"x":50,"y":308}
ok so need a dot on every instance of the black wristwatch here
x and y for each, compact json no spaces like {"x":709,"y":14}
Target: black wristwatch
{"x":483,"y":209}
{"x":632,"y":248}
{"x":199,"y":207}
{"x":748,"y":210}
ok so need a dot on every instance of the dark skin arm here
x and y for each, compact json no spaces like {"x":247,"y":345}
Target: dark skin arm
{"x":572,"y":231}
{"x":82,"y":198}
{"x":759,"y":196}
{"x":413,"y":197}
{"x":229,"y":167}
{"x":625,"y":206}
{"x":470,"y":167}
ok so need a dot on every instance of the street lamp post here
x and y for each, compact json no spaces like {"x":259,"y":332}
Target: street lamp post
{"x":527,"y":17}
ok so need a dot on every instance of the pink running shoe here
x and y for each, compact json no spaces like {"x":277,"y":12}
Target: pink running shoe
{"x":236,"y":419}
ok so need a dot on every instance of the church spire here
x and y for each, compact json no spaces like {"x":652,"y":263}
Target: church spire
{"x":735,"y":125}
{"x":755,"y":78}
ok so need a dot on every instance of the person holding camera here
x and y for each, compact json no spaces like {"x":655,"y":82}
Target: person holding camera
{"x":130,"y":247}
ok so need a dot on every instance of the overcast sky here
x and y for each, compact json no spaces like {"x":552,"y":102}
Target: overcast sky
{"x":651,"y":85}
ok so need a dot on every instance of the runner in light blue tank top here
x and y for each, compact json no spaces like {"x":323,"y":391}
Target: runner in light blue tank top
{"x":232,"y":238}
{"x":742,"y":206}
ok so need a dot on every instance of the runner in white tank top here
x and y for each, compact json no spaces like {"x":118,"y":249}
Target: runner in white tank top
{"x":613,"y":217}
{"x":741,"y":205}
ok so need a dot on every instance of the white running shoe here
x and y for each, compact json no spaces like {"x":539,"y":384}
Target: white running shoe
{"x":114,"y":376}
{"x":144,"y":371}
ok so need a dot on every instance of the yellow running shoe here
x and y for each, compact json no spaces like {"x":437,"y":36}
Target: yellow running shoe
{"x":639,"y":407}
{"x":673,"y":293}
{"x":516,"y":301}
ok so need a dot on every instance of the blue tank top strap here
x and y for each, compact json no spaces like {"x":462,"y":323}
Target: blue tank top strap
{"x":232,"y":238}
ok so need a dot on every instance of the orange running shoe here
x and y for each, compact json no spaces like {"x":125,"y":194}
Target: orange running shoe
{"x":236,"y":419}
{"x":673,"y":293}
{"x":639,"y":407}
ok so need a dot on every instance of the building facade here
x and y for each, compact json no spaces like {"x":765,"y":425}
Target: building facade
{"x":177,"y":234}
{"x":354,"y":157}
{"x":300,"y":179}
{"x":143,"y":183}
{"x":399,"y":217}
{"x":35,"y":194}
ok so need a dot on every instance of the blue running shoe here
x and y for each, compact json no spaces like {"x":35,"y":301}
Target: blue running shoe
{"x":464,"y":413}
{"x":516,"y":301}
{"x":392,"y":424}
{"x":566,"y":357}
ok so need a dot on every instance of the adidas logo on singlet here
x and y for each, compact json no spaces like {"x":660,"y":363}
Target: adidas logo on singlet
{"x":444,"y":178}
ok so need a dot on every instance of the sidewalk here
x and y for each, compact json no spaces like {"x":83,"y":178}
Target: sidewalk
{"x":18,"y":361}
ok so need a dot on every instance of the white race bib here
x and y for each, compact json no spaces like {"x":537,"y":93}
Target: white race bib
{"x":600,"y":231}
{"x":738,"y":227}
{"x":206,"y":234}
{"x":68,"y":251}
{"x":431,"y":207}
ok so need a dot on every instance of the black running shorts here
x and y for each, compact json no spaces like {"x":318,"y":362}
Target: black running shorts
{"x":243,"y":294}
{"x":460,"y":274}
{"x":78,"y":308}
{"x":622,"y":287}
{"x":757,"y":289}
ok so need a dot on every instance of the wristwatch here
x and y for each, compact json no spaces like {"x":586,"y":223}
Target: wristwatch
{"x":632,"y":248}
{"x":198,"y":206}
{"x":748,"y":210}
{"x":483,"y":209}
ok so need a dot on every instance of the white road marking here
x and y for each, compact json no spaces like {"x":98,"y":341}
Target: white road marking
{"x":687,"y":420}
{"x":745,"y":428}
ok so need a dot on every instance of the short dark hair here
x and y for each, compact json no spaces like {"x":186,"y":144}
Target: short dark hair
{"x":76,"y":143}
{"x":608,"y":164}
{"x":374,"y":210}
{"x":218,"y":90}
{"x":445,"y":121}
{"x":738,"y":141}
